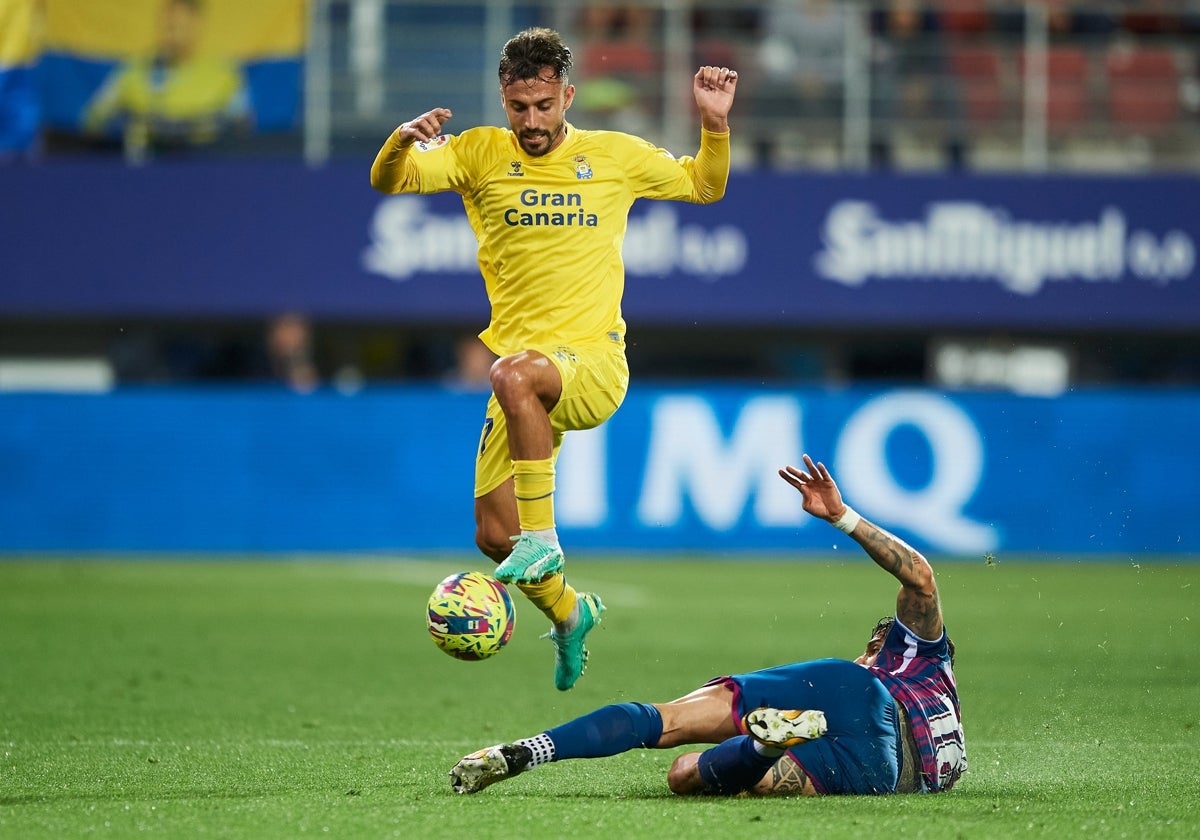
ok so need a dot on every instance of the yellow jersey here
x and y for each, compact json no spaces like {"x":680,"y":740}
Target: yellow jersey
{"x":550,"y":229}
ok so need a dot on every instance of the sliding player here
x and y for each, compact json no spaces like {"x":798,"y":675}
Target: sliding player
{"x":887,"y":722}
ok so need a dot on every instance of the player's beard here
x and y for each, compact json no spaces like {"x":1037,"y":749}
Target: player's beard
{"x":548,"y":140}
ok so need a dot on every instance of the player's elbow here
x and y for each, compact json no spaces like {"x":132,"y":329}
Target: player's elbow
{"x":920,"y":573}
{"x":708,"y":191}
{"x":382,"y":181}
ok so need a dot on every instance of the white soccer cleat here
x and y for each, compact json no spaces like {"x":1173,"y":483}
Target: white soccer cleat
{"x":487,"y":766}
{"x":785,"y":728}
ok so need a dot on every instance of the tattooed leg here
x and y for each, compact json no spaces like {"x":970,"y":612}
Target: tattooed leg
{"x":785,"y":778}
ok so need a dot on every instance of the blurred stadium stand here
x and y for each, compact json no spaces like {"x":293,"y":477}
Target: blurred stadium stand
{"x":980,"y":86}
{"x":1118,"y":82}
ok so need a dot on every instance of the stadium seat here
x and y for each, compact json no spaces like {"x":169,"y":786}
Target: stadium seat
{"x":1068,"y":76}
{"x":717,"y":52}
{"x":1154,"y":18}
{"x":1143,"y":89}
{"x":964,"y":16}
{"x":979,"y":70}
{"x":625,"y":58}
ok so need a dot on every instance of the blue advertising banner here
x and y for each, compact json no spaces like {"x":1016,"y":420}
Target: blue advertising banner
{"x":253,"y":238}
{"x":1112,"y":472}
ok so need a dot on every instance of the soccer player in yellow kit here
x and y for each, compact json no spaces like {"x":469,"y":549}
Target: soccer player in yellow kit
{"x":549,"y":205}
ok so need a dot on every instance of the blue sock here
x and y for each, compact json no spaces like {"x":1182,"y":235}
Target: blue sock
{"x":607,"y":731}
{"x":733,"y":765}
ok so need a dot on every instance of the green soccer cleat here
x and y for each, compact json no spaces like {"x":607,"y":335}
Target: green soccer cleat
{"x":784,"y":728}
{"x":487,"y":766}
{"x":570,"y":655}
{"x":531,"y":559}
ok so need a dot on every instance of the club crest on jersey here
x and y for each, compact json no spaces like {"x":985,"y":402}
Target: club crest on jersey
{"x":514,"y":170}
{"x":583,"y":170}
{"x":430,"y":145}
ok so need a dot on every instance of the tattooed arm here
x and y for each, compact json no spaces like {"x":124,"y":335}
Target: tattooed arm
{"x":917,"y":605}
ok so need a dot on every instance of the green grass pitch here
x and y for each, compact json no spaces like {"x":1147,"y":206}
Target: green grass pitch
{"x":302,"y":698}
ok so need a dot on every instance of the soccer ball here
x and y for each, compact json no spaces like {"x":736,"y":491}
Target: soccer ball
{"x":471,"y":616}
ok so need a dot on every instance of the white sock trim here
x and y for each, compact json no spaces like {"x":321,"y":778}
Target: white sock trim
{"x":769,"y":751}
{"x":541,"y":746}
{"x":550,"y":535}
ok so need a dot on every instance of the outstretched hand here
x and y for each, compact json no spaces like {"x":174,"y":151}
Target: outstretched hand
{"x":425,"y":127}
{"x":822,"y":498}
{"x":714,"y":88}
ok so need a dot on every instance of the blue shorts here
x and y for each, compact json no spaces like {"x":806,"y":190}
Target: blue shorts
{"x":860,"y":753}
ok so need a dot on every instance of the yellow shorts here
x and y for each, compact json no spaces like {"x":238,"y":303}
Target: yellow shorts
{"x":595,"y":378}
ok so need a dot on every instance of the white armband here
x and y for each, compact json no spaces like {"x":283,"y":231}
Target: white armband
{"x":848,"y":521}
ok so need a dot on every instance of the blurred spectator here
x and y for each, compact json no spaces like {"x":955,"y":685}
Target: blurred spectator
{"x":289,"y":348}
{"x":1066,"y":20}
{"x":801,"y":59}
{"x":912,"y":83}
{"x":472,"y":365}
{"x":1154,"y":17}
{"x":177,"y":98}
{"x":717,"y":32}
{"x":618,"y":60}
{"x":281,"y":351}
{"x":605,"y":20}
{"x":1063,"y":18}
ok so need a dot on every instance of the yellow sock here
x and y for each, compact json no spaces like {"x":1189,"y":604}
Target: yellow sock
{"x":533,"y":484}
{"x":553,"y":596}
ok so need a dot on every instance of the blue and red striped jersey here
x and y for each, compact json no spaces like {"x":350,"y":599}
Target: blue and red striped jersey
{"x":918,"y":674}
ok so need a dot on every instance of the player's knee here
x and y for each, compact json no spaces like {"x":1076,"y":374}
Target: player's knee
{"x":525,"y":377}
{"x":509,"y":377}
{"x":684,"y":776}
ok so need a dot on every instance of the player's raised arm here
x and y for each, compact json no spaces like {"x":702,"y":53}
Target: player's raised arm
{"x":387,"y":172}
{"x":917,"y":605}
{"x":714,"y":88}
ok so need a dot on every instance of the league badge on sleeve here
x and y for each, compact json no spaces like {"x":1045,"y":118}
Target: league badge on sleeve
{"x":435,"y":143}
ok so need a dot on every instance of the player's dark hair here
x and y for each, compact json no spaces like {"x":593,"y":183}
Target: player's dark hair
{"x":527,"y":54}
{"x":885,"y":624}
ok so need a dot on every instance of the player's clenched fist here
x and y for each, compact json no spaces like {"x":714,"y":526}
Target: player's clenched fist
{"x":716,"y":78}
{"x":425,"y":127}
{"x":714,"y":88}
